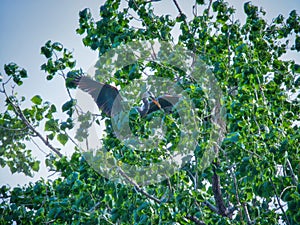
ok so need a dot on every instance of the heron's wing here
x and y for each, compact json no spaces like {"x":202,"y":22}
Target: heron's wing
{"x":106,"y":96}
{"x":166,"y":102}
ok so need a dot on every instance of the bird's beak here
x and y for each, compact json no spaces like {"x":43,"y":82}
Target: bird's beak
{"x":155,"y":102}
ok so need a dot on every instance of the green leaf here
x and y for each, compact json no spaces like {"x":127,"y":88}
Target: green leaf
{"x":23,"y":73}
{"x":297,"y":43}
{"x":46,"y":52}
{"x":49,"y":77}
{"x":62,"y":138}
{"x":68,"y":105}
{"x":85,"y":14}
{"x":57,"y":46}
{"x":233,"y":137}
{"x":181,"y":18}
{"x":37,"y":99}
{"x":51,"y":125}
{"x":10,"y":69}
{"x":200,"y":2}
{"x":51,"y":136}
{"x":36,"y":166}
{"x":53,"y":108}
{"x":297,"y":82}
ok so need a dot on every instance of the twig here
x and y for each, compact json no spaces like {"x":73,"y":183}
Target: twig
{"x":294,"y":178}
{"x":228,"y":48}
{"x":195,"y":12}
{"x":247,"y":214}
{"x":208,"y":8}
{"x":33,"y":141}
{"x":177,"y":6}
{"x":288,"y":187}
{"x":137,"y":187}
{"x":94,"y":207}
{"x":238,"y":199}
{"x":14,"y":129}
{"x":153,"y":55}
{"x":278,"y":201}
{"x":231,"y":210}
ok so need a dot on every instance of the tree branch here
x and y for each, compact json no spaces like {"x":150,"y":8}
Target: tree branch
{"x":278,"y":201}
{"x":177,"y":6}
{"x":211,"y":206}
{"x":294,"y":178}
{"x":20,"y":114}
{"x":195,"y":220}
{"x":137,"y":187}
{"x":208,"y":8}
{"x":216,"y":187}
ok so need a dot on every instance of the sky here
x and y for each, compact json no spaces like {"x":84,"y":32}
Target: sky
{"x":26,"y":25}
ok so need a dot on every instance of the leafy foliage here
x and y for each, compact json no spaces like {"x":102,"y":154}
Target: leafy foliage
{"x":254,"y":178}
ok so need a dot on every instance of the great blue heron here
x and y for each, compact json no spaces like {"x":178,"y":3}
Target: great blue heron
{"x":109,"y":100}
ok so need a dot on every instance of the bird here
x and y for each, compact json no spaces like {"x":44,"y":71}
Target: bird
{"x":109,"y":100}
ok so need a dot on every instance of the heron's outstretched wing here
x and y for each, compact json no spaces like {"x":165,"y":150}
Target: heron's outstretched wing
{"x":106,"y":96}
{"x":166,"y":103}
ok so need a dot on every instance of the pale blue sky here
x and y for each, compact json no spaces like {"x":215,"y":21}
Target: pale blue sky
{"x":25,"y":26}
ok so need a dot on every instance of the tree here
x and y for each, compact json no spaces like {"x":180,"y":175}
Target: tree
{"x":252,"y":180}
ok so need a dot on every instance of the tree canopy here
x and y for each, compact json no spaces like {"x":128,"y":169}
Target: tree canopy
{"x":253,"y":176}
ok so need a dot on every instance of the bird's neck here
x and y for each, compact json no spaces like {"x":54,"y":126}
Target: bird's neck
{"x":144,"y":108}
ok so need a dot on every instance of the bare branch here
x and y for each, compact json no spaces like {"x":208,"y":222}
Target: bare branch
{"x":294,"y":178}
{"x":288,"y":187}
{"x":208,"y":8}
{"x":33,"y":141}
{"x":195,"y":12}
{"x":177,"y":6}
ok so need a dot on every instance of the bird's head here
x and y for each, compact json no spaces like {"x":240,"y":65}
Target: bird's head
{"x":149,"y":95}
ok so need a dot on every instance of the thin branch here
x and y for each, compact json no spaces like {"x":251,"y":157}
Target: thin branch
{"x":65,"y":78}
{"x":94,"y":207}
{"x":231,"y":210}
{"x":195,"y":220}
{"x":247,"y":214}
{"x":278,"y":201}
{"x":104,"y":217}
{"x":232,"y":90}
{"x":177,"y":6}
{"x":72,"y":140}
{"x":195,"y":12}
{"x":14,"y":129}
{"x":138,"y":188}
{"x":228,"y":48}
{"x":238,"y":199}
{"x":153,"y":55}
{"x":294,"y":178}
{"x":33,"y":141}
{"x":208,"y":8}
{"x":20,"y":114}
{"x":211,"y":206}
{"x":4,"y":83}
